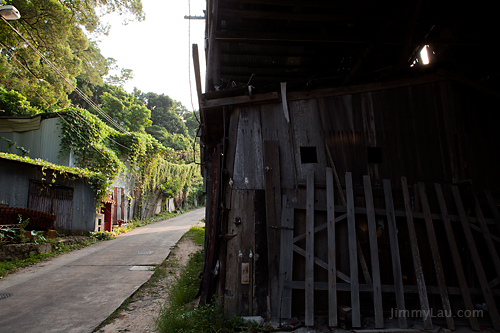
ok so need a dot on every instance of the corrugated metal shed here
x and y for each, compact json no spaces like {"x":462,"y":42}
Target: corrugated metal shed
{"x":42,"y":143}
{"x":15,"y":179}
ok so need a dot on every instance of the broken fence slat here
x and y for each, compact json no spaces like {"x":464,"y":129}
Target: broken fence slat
{"x":286,"y":262}
{"x":436,"y":256}
{"x":487,"y":237}
{"x":309,"y":274}
{"x":396,"y":261}
{"x":422,"y":290}
{"x":456,"y":258}
{"x":332,"y":270}
{"x":372,"y":234}
{"x":476,"y":260}
{"x":353,"y":256}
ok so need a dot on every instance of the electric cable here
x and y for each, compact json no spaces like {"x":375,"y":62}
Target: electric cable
{"x":78,"y":91}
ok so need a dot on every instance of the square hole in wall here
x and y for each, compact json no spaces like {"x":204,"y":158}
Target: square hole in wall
{"x":308,"y":155}
{"x":374,"y":154}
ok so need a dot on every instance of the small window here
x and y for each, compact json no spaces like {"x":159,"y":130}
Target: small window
{"x":308,"y":155}
{"x":374,"y":154}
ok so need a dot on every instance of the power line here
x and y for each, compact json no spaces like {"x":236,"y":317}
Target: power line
{"x":78,"y":91}
{"x":58,"y":113}
{"x":70,"y":110}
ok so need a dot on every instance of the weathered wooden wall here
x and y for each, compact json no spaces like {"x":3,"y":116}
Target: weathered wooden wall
{"x":438,"y":132}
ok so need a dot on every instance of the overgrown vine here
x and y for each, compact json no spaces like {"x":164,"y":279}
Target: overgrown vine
{"x":100,"y":148}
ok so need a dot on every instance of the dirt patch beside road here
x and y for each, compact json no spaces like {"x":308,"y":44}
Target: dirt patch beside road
{"x":139,"y":312}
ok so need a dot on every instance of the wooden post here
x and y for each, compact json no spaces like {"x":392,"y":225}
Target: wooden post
{"x":396,"y":262}
{"x":309,"y":281}
{"x":419,"y":274}
{"x":332,"y":270}
{"x":436,"y":257}
{"x":353,"y":256}
{"x":372,"y":234}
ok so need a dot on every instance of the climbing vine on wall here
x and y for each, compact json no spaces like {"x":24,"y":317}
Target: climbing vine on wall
{"x":98,"y":147}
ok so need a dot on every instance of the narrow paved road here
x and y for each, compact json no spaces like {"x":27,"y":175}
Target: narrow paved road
{"x":77,"y":291}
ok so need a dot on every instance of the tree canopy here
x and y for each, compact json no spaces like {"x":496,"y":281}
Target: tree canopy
{"x":55,"y":29}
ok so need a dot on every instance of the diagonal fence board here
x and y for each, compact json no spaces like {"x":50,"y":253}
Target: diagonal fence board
{"x":436,"y":256}
{"x":372,"y":234}
{"x":419,"y":274}
{"x":429,"y":222}
{"x":456,"y":257}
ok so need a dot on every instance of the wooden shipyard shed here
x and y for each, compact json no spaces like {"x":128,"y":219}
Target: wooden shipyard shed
{"x":347,"y":181}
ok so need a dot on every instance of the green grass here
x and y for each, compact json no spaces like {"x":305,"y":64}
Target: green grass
{"x":180,"y":314}
{"x":197,"y":234}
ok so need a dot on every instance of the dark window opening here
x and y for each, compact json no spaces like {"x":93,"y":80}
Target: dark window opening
{"x":374,"y":154}
{"x":308,"y":155}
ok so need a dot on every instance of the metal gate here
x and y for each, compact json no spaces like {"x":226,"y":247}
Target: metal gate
{"x":53,"y":199}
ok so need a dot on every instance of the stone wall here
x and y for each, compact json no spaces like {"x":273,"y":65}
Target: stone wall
{"x":25,"y":250}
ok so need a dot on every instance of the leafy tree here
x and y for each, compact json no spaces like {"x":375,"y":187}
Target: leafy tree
{"x":13,"y":104}
{"x":55,"y":29}
{"x":192,"y":121}
{"x":163,"y":111}
{"x":124,"y":108}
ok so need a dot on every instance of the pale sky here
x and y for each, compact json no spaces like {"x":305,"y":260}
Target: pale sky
{"x":157,"y":49}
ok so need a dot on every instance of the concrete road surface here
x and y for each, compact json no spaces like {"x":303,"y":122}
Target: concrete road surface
{"x":77,"y":291}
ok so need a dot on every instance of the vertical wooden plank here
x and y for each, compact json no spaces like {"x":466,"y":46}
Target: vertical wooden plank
{"x":286,"y":259}
{"x":431,"y":234}
{"x":332,"y":269}
{"x":309,"y":280}
{"x":196,"y":63}
{"x":248,"y":162}
{"x":273,"y":214}
{"x":232,"y":139}
{"x":396,"y":262}
{"x":353,"y":256}
{"x":494,"y":208}
{"x":422,"y":289}
{"x":488,"y":297}
{"x":372,"y":234}
{"x":487,"y":237}
{"x":456,"y":258}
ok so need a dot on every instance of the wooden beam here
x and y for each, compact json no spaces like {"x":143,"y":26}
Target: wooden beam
{"x":417,"y":263}
{"x":410,"y":32}
{"x":330,"y":16}
{"x":240,"y":100}
{"x":322,"y":264}
{"x":368,"y":288}
{"x":456,"y":258}
{"x":353,"y":255}
{"x":332,"y":269}
{"x":346,"y":90}
{"x":308,"y":4}
{"x":309,"y":274}
{"x":372,"y":234}
{"x":396,"y":261}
